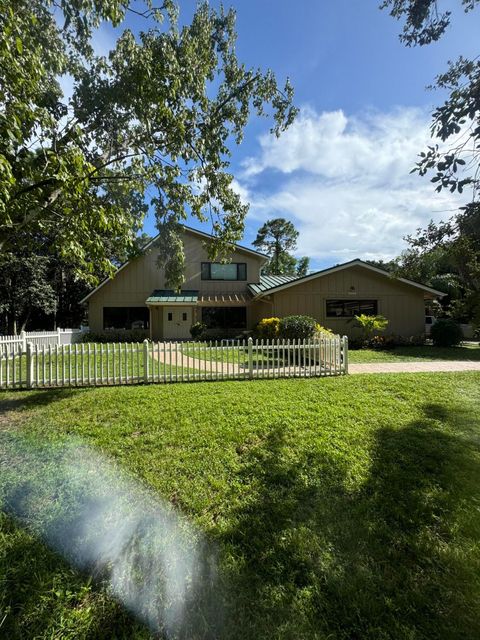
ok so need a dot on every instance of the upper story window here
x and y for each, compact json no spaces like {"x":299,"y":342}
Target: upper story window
{"x":218,"y":271}
{"x":350,"y":308}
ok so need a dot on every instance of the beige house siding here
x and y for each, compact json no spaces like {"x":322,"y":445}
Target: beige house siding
{"x":132,"y":285}
{"x":403,"y":305}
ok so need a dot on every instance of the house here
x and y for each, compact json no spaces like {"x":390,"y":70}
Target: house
{"x":233,"y":297}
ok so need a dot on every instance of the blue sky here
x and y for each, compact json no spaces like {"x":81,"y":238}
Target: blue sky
{"x":341,"y":173}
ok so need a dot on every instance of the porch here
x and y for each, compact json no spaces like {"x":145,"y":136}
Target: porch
{"x":173,"y":313}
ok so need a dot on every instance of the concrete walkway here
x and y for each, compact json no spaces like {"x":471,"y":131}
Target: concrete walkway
{"x":414,"y":366}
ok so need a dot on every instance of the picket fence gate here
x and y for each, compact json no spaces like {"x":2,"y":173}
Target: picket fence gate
{"x":80,"y":365}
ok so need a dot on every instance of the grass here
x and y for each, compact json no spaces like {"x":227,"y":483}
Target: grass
{"x":411,"y":354}
{"x":97,"y":363}
{"x":342,"y":508}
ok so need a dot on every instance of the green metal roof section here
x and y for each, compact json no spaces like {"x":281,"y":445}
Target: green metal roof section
{"x":169,"y":295}
{"x":270,"y":282}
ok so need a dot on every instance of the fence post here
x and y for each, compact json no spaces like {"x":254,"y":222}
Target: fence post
{"x":59,"y":336}
{"x":29,"y":365}
{"x":250,"y":358}
{"x":145,"y":360}
{"x":345,"y":354}
{"x":23,"y":337}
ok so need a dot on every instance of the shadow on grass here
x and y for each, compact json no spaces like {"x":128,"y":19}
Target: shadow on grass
{"x":394,"y":558}
{"x":41,"y":596}
{"x":315,"y":556}
{"x":10,"y":402}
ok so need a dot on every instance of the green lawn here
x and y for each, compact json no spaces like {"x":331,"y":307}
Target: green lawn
{"x":261,"y":356}
{"x":410,"y":354}
{"x":343,"y":508}
{"x":126,"y":363}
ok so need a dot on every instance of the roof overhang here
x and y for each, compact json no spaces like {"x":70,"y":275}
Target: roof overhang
{"x":432,"y":293}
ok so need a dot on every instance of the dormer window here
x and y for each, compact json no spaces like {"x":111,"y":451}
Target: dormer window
{"x":218,"y":271}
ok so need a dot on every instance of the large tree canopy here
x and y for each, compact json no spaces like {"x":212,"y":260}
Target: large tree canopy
{"x":454,"y":161}
{"x":154,"y":121}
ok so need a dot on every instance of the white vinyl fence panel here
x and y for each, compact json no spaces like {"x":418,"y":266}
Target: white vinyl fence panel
{"x":80,"y":365}
{"x":17,"y":344}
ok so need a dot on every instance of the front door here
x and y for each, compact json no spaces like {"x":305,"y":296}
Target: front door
{"x":177,"y":322}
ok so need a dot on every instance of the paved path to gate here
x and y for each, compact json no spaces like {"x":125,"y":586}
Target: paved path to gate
{"x":179,"y":359}
{"x":414,"y":367}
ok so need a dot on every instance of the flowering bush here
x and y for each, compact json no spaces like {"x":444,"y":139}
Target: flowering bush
{"x":268,"y":328}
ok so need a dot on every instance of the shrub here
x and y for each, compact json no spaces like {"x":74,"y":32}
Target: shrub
{"x":380,"y":343}
{"x":323,"y":331}
{"x":119,"y":335}
{"x":297,"y":327}
{"x":268,"y":328}
{"x":391,"y":341}
{"x":446,"y":333}
{"x":370,"y":324}
{"x":198,"y":330}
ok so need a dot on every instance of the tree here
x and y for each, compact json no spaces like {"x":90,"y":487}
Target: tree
{"x":455,"y":162}
{"x":158,"y":116}
{"x":25,"y":288}
{"x":303,"y":265}
{"x":277,"y":237}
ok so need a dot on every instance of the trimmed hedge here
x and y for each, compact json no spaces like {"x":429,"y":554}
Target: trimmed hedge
{"x":297,"y":327}
{"x":133,"y":335}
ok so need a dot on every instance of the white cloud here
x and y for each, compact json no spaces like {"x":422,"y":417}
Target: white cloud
{"x":346,"y":182}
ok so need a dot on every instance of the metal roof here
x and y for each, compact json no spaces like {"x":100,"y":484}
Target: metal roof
{"x":291,"y":281}
{"x":165,"y":296}
{"x":270,"y":282}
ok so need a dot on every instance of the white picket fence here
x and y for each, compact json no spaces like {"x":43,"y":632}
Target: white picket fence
{"x":17,"y":344}
{"x":79,"y":365}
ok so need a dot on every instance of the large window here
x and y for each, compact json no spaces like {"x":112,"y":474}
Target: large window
{"x":350,"y":308}
{"x":225,"y":317}
{"x":125,"y":317}
{"x":218,"y":271}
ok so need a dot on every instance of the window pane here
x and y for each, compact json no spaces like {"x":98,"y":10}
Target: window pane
{"x":242,"y":271}
{"x":334,"y":308}
{"x":224,"y":317}
{"x":223,"y":271}
{"x":125,"y":317}
{"x":184,"y":316}
{"x":236,"y":317}
{"x":350,"y":308}
{"x":169,"y":316}
{"x":368,"y":307}
{"x":205,"y":271}
{"x":212,"y":317}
